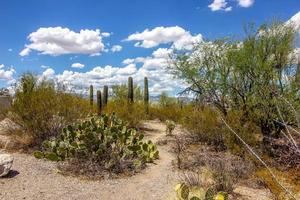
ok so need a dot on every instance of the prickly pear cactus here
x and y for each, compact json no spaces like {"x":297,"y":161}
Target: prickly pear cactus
{"x":104,"y":138}
{"x":221,"y":196}
{"x":170,"y":126}
{"x":182,"y":191}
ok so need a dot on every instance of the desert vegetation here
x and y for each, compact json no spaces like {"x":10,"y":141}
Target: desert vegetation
{"x":240,"y":124}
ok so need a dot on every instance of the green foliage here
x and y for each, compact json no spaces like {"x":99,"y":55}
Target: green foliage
{"x":168,"y":108}
{"x":105,"y":139}
{"x":133,"y":118}
{"x":120,"y":93}
{"x":42,"y":108}
{"x":170,"y":126}
{"x":249,"y":77}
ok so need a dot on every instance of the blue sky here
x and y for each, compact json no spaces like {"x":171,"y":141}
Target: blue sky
{"x":49,"y":33}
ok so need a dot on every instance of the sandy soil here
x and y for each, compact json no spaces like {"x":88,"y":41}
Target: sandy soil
{"x":38,"y":179}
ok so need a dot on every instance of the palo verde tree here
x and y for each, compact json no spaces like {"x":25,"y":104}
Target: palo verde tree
{"x":251,"y":76}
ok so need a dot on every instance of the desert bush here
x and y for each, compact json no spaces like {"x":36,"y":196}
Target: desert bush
{"x":169,"y":108}
{"x":247,"y":76}
{"x":133,"y":114}
{"x":103,"y":140}
{"x":42,"y":109}
{"x":203,"y":123}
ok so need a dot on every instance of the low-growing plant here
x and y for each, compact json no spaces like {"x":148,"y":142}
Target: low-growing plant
{"x":105,"y":140}
{"x":184,"y":192}
{"x":170,"y":126}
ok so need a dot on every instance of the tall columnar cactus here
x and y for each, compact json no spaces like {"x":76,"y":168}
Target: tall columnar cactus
{"x":105,"y":95}
{"x":99,"y":102}
{"x":130,"y":90}
{"x":146,"y":95}
{"x":91,"y":95}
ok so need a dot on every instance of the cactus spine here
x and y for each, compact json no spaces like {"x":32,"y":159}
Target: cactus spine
{"x":105,"y":95}
{"x":91,"y":95}
{"x":99,"y":102}
{"x":130,"y":90}
{"x":146,"y":95}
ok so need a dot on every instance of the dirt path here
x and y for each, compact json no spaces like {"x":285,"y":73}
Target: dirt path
{"x":37,"y":179}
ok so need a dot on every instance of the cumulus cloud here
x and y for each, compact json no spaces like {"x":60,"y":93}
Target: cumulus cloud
{"x":59,"y":41}
{"x":152,"y":67}
{"x":220,"y":5}
{"x":105,"y":34}
{"x":6,"y":74}
{"x":245,"y":3}
{"x":175,"y":35}
{"x":77,"y":65}
{"x":25,"y":52}
{"x":162,"y":53}
{"x":128,"y":61}
{"x":48,"y":73}
{"x":116,"y":48}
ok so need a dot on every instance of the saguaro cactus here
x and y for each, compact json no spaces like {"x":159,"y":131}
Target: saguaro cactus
{"x":105,"y":95}
{"x":91,"y":95}
{"x":99,"y":102}
{"x":130,"y":90}
{"x":146,"y":95}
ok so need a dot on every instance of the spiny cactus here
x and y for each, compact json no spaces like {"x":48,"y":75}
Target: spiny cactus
{"x":170,"y":126}
{"x":184,"y":192}
{"x":105,"y":139}
{"x":130,"y":90}
{"x":105,"y":95}
{"x":99,"y":102}
{"x":146,"y":95}
{"x":91,"y":95}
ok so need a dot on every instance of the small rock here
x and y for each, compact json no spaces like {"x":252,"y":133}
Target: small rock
{"x":6,"y":162}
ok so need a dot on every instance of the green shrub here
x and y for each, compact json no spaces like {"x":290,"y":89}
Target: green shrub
{"x":105,"y":140}
{"x":42,"y":108}
{"x":133,"y":114}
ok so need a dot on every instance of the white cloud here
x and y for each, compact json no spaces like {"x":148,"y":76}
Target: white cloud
{"x":116,"y":48}
{"x":77,"y":65}
{"x":10,"y":50}
{"x":220,"y":5}
{"x":45,"y":67}
{"x":152,"y":67}
{"x":105,"y":34}
{"x":162,"y":53}
{"x":128,"y":61}
{"x":48,"y":73}
{"x":7,"y":74}
{"x":246,"y":3}
{"x":175,"y":35}
{"x":25,"y":52}
{"x":58,"y":41}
